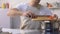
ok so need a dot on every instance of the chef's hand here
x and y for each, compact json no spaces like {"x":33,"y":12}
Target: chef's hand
{"x":55,"y":16}
{"x":14,"y":12}
{"x":29,"y":14}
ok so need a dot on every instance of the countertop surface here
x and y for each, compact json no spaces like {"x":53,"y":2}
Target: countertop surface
{"x":18,"y":31}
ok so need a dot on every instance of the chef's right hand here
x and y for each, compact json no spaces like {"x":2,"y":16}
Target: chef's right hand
{"x":29,"y":14}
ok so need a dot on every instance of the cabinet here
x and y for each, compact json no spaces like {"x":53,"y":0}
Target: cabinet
{"x":5,"y":21}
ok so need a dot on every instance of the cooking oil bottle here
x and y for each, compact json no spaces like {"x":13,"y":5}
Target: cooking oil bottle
{"x":3,"y":5}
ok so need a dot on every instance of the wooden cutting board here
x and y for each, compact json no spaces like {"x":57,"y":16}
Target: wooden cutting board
{"x":40,"y":18}
{"x":5,"y":33}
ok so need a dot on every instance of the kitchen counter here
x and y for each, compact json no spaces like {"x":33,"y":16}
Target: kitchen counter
{"x":18,"y":31}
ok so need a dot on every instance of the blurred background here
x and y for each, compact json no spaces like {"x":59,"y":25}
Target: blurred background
{"x":8,"y":22}
{"x":14,"y":22}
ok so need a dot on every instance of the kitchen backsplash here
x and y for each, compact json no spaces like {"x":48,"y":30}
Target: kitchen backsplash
{"x":13,"y":3}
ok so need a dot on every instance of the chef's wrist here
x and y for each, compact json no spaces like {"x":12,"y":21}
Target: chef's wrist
{"x":19,"y":13}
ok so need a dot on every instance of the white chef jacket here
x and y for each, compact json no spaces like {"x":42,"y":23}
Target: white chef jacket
{"x":26,"y":22}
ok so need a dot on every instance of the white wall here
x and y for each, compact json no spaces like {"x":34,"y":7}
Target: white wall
{"x":13,"y":3}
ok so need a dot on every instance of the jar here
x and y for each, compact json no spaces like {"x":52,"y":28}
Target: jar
{"x":7,"y":5}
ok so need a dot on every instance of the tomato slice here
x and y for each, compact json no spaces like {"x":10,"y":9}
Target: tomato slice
{"x":51,"y":17}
